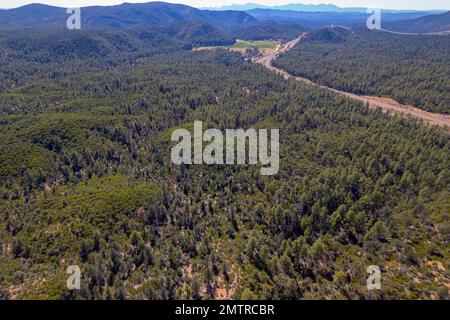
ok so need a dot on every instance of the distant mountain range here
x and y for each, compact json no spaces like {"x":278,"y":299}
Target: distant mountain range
{"x":307,"y":8}
{"x":187,"y":22}
{"x":322,"y":19}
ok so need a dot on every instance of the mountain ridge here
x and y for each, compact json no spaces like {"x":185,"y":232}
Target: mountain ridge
{"x":122,"y":16}
{"x":426,"y":24}
{"x":324,"y":19}
{"x":310,"y":8}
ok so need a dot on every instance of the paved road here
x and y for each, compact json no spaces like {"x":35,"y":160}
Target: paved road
{"x":387,"y":105}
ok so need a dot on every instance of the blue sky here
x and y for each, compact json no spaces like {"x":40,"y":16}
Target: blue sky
{"x":387,"y":4}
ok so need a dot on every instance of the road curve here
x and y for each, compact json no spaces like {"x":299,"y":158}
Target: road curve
{"x":385,"y":104}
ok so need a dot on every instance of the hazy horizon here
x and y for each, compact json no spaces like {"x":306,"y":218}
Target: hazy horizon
{"x":385,"y":4}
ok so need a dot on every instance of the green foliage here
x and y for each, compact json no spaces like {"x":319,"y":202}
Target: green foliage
{"x":86,"y":179}
{"x":410,"y":69}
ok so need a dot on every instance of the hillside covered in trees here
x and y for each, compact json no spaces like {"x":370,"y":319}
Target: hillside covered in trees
{"x":410,"y":69}
{"x":86,"y":179}
{"x":426,"y":24}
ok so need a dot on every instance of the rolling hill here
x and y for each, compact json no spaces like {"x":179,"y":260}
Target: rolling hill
{"x":195,"y":26}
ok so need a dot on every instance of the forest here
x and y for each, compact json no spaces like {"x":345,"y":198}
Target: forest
{"x":86,"y":179}
{"x":412,"y":70}
{"x":86,"y":176}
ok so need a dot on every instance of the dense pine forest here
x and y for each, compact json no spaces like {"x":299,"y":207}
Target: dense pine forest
{"x":412,"y":70}
{"x":86,"y":179}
